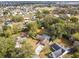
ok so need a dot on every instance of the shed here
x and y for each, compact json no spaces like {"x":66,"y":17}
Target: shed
{"x":43,"y":39}
{"x":39,"y":49}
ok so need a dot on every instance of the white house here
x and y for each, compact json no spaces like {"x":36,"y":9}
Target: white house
{"x":39,"y":49}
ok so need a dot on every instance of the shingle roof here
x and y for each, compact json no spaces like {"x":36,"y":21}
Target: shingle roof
{"x":42,"y":37}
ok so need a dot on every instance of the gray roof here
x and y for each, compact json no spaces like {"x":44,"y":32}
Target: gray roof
{"x":42,"y":37}
{"x":57,"y":53}
{"x":59,"y":50}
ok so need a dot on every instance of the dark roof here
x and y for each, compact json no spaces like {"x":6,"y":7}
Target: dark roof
{"x":58,"y":52}
{"x":55,"y":46}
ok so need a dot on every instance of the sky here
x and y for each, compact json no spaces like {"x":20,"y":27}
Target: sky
{"x":39,"y":0}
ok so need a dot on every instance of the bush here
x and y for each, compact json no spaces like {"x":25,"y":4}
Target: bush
{"x":7,"y":33}
{"x":76,"y":36}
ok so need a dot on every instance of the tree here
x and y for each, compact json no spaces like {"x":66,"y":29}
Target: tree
{"x":6,"y":46}
{"x":74,"y":19}
{"x":8,"y":50}
{"x":70,"y":28}
{"x":42,"y":14}
{"x":56,"y":30}
{"x":28,"y":50}
{"x":25,"y":52}
{"x":7,"y":31}
{"x":17,"y":18}
{"x":16,"y":28}
{"x":73,"y":11}
{"x":33,"y":27}
{"x":44,"y":11}
{"x":38,"y":14}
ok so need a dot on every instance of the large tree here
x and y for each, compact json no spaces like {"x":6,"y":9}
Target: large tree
{"x":17,"y":18}
{"x":8,"y":50}
{"x":33,"y":27}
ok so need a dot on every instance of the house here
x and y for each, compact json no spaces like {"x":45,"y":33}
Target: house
{"x":39,"y":49}
{"x":18,"y":45}
{"x":26,"y":18}
{"x":69,"y":15}
{"x":43,"y":39}
{"x":23,"y":34}
{"x":33,"y":17}
{"x":19,"y":40}
{"x":56,"y":15}
{"x":59,"y":51}
{"x":62,"y":46}
{"x":64,"y":16}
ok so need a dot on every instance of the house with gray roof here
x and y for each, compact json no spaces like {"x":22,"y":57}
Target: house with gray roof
{"x":43,"y":37}
{"x":59,"y":51}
